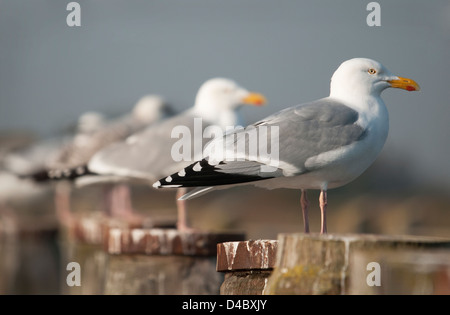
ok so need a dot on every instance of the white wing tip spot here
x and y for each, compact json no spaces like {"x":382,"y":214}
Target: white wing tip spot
{"x":213,"y":162}
{"x":197,"y":167}
{"x":157,"y":184}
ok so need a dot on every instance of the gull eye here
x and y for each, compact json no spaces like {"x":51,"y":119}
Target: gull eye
{"x":372,"y":71}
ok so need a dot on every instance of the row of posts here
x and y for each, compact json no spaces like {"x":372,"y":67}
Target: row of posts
{"x":113,"y":257}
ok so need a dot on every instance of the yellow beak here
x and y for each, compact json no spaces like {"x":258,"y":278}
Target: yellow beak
{"x":404,"y":83}
{"x":254,"y":99}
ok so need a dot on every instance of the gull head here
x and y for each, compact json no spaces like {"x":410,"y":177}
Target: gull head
{"x":362,"y":77}
{"x":150,"y":108}
{"x":90,"y":122}
{"x":223,"y":94}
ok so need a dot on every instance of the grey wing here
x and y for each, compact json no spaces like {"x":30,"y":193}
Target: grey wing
{"x":289,"y":138}
{"x":36,"y":156}
{"x":148,"y":154}
{"x":85,"y":145}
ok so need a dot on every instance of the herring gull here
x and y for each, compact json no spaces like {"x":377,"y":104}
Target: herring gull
{"x":321,"y":145}
{"x":147,"y":155}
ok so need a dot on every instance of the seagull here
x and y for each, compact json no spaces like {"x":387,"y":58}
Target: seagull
{"x":320,"y":145}
{"x":149,"y":155}
{"x":37,"y":156}
{"x":93,"y":134}
{"x":19,"y":164}
{"x":73,"y":158}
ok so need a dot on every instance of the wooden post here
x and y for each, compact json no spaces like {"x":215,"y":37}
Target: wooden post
{"x":28,"y":260}
{"x":324,"y":264}
{"x":163,"y":261}
{"x":82,"y":242}
{"x":402,"y":272}
{"x":246,"y":265}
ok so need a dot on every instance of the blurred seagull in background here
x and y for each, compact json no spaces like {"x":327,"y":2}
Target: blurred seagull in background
{"x":19,"y":164}
{"x":95,"y":133}
{"x":74,"y":157}
{"x":38,"y":156}
{"x":322,"y":144}
{"x":148,"y":155}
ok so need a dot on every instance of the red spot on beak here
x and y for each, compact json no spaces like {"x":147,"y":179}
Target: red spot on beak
{"x":410,"y":88}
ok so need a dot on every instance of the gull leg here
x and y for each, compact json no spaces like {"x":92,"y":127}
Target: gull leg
{"x":107,"y":199}
{"x":124,"y":196}
{"x":121,"y":205}
{"x":182,"y":222}
{"x":304,"y":202}
{"x":323,"y":211}
{"x":118,"y":206}
{"x":62,"y":204}
{"x":114,"y":207}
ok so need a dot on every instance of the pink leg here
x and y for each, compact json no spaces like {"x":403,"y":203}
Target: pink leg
{"x":107,"y":202}
{"x":121,"y":205}
{"x":62,"y":204}
{"x":124,"y":196}
{"x":183,"y":222}
{"x":323,"y":211}
{"x":304,"y":202}
{"x":113,"y":207}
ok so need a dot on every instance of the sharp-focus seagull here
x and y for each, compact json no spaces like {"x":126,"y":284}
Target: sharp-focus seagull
{"x":150,"y":154}
{"x":323,"y":144}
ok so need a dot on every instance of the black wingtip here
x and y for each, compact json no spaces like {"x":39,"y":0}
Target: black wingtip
{"x":202,"y":173}
{"x":59,"y":174}
{"x":39,"y":176}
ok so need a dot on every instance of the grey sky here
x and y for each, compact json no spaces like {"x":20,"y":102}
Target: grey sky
{"x":51,"y":73}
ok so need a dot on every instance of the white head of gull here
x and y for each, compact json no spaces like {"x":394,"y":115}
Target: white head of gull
{"x":150,"y":108}
{"x":218,"y":99}
{"x":90,"y":122}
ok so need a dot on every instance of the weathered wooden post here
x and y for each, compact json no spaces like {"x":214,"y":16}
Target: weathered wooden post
{"x":82,"y":242}
{"x":28,"y":256}
{"x":400,"y":272}
{"x":246,"y":265}
{"x":163,"y":261}
{"x":329,"y":264}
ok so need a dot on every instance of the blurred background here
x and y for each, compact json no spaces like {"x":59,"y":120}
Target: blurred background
{"x":51,"y":73}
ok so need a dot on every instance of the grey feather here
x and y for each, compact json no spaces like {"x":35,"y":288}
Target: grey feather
{"x":147,"y":154}
{"x":305,"y":131}
{"x":84,"y":146}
